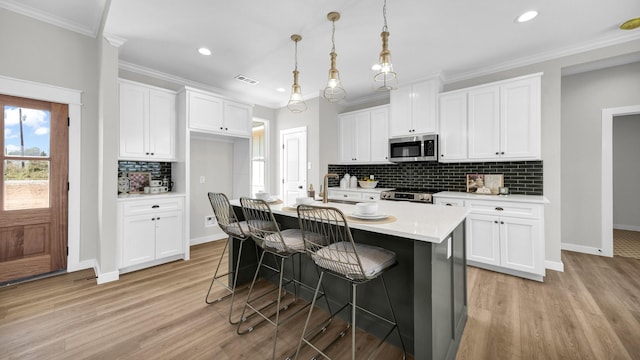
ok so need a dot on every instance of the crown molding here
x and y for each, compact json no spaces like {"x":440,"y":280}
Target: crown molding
{"x":25,"y":10}
{"x":114,"y":40}
{"x":542,"y":57}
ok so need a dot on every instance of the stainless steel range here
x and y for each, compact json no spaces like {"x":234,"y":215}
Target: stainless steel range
{"x":414,"y":195}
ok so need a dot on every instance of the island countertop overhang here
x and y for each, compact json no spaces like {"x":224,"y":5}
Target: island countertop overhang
{"x":422,"y":222}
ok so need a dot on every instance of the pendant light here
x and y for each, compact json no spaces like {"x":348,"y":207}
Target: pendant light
{"x":296,"y":101}
{"x":334,"y":91}
{"x":385,"y":79}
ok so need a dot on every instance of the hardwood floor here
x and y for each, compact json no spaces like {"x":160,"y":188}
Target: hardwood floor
{"x":591,"y":311}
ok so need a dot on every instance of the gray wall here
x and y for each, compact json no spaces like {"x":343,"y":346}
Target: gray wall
{"x":583,"y":98}
{"x":626,"y":172}
{"x":43,"y":53}
{"x":214,"y":161}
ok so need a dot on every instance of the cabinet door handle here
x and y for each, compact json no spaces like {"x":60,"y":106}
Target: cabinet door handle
{"x":502,"y":222}
{"x":449,"y":204}
{"x":345,"y":195}
{"x":495,"y":221}
{"x":151,"y":153}
{"x":221,"y":128}
{"x":499,"y":208}
{"x":153,"y":219}
{"x":497,"y":153}
{"x":157,"y":218}
{"x":155,"y":206}
{"x":502,"y":153}
{"x":146,"y":153}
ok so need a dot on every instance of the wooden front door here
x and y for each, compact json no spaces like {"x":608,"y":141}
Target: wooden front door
{"x":33,"y":188}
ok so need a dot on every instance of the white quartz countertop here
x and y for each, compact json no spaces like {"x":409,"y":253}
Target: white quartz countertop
{"x":132,"y":197}
{"x":539,"y":199}
{"x":359,"y":189}
{"x":423,"y":222}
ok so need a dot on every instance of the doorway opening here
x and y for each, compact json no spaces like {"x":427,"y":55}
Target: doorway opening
{"x":608,"y":116}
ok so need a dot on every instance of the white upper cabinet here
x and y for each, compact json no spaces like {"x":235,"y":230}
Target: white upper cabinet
{"x":210,"y":113}
{"x":497,"y":122}
{"x":147,"y":122}
{"x":364,"y":135}
{"x":453,"y":127}
{"x":414,"y":109}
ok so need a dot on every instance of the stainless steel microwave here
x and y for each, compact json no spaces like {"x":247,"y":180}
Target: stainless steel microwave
{"x":414,"y":148}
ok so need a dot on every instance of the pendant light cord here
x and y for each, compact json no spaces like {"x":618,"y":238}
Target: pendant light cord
{"x":333,"y":37}
{"x":384,"y":15}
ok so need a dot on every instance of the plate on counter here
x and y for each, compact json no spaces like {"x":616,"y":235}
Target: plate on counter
{"x":369,"y":217}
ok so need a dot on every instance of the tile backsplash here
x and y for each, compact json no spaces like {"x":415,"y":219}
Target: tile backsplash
{"x":521,"y":177}
{"x":158,"y":170}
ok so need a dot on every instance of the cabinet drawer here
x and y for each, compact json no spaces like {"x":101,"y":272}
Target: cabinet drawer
{"x":345,"y":194}
{"x":524,"y":210}
{"x":152,"y":206}
{"x":374,"y":195}
{"x":449,"y":202}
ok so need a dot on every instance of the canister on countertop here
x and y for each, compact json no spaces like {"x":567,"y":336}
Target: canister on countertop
{"x":353,"y":183}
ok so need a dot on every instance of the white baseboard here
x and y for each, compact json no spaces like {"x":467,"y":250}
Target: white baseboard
{"x":102,"y":278}
{"x":205,"y":239}
{"x":554,"y":265}
{"x":626,"y":227}
{"x":582,"y":249}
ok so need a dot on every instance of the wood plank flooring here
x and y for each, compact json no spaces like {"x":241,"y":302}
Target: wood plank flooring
{"x":591,"y":311}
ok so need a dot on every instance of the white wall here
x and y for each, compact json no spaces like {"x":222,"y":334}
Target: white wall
{"x":626,"y":172}
{"x":43,"y":53}
{"x":214,"y":161}
{"x":583,"y":98}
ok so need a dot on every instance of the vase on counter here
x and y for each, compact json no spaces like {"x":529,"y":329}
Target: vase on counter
{"x":353,"y":183}
{"x":344,"y":183}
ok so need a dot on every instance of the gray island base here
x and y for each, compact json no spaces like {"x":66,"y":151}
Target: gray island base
{"x":427,"y":287}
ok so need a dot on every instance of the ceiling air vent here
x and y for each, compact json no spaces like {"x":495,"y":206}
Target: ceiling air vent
{"x":246,"y":80}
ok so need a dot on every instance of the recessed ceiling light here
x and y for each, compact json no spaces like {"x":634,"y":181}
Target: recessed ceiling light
{"x":529,"y":15}
{"x":280,"y":90}
{"x":204,"y":51}
{"x":630,"y":24}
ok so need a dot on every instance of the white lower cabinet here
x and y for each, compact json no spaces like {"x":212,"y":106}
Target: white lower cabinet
{"x":354,"y":194}
{"x":505,"y":236}
{"x":150,"y":231}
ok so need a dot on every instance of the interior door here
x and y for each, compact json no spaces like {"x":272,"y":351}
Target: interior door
{"x":294,"y":160}
{"x":33,"y":188}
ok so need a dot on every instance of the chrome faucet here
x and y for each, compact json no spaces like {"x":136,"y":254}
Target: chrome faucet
{"x":325,"y":193}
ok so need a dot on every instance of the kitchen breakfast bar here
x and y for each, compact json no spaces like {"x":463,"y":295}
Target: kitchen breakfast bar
{"x":428,"y":285}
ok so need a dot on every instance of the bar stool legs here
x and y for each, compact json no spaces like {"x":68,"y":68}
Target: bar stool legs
{"x":230,"y":289}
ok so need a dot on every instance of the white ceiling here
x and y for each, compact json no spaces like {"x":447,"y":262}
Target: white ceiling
{"x":456,"y":39}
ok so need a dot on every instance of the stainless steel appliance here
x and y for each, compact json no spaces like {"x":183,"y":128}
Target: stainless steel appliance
{"x":414,"y":195}
{"x":414,"y":148}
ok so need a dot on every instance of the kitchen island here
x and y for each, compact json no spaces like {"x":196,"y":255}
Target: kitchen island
{"x":427,"y":287}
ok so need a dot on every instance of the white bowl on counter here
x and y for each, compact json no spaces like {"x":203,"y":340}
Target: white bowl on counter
{"x":263,"y":195}
{"x":367,"y":184}
{"x":304,"y":200}
{"x":366,"y":208}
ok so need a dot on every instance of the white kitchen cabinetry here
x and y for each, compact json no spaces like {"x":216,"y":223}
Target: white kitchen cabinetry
{"x":355,"y":194}
{"x":453,"y":127}
{"x":147,"y":122}
{"x":414,"y":109}
{"x":210,"y":113}
{"x":150,"y":231}
{"x":498,"y":122}
{"x":364,"y":135}
{"x":505,"y":236}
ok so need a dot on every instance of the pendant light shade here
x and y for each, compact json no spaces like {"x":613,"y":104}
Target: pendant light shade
{"x":296,"y":101}
{"x":385,"y":79}
{"x":334,"y":91}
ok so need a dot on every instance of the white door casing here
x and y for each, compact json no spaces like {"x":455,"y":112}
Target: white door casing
{"x":294,"y":160}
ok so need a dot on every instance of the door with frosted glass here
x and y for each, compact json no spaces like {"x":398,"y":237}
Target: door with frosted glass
{"x":33,"y":188}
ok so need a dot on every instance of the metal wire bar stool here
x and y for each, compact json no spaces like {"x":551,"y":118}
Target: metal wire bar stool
{"x":229,"y":223}
{"x":343,"y":258}
{"x":282,"y":244}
